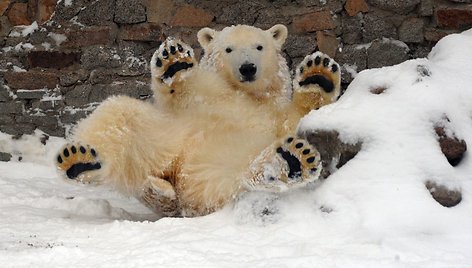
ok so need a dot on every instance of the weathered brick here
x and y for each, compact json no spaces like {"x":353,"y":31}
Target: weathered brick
{"x":52,"y":59}
{"x":45,"y":10}
{"x":31,"y":80}
{"x":18,"y":14}
{"x":315,"y":21}
{"x":189,"y":16}
{"x":141,"y":32}
{"x":327,"y":43}
{"x":458,"y":17}
{"x":30,"y":94}
{"x":355,"y":6}
{"x":89,"y":36}
{"x":3,"y":6}
{"x":11,"y":107}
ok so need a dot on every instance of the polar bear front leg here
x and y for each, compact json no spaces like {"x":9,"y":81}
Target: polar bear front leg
{"x":317,"y":82}
{"x":170,"y":66}
{"x":79,"y":162}
{"x":287,"y":164}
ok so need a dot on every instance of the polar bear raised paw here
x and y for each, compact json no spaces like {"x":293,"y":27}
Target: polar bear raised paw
{"x":317,"y":81}
{"x":289,"y":163}
{"x":171,"y":59}
{"x":78,"y":162}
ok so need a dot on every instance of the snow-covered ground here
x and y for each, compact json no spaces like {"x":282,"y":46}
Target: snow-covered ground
{"x":373,"y":212}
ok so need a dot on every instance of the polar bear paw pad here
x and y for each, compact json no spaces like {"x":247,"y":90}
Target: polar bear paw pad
{"x":302,"y":159}
{"x":172,"y":57}
{"x":319,"y":69}
{"x":76,"y":159}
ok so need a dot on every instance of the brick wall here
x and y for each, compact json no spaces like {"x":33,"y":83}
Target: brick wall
{"x":78,"y":52}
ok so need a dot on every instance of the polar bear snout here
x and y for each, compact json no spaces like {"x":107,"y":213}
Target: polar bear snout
{"x":248,"y":72}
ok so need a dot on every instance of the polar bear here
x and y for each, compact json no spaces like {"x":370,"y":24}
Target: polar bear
{"x":209,"y":139}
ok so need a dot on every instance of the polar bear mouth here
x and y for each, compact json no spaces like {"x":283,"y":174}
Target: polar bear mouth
{"x":176,"y":67}
{"x":319,"y":80}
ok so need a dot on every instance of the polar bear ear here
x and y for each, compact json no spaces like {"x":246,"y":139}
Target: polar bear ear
{"x":205,"y":36}
{"x":279,"y":32}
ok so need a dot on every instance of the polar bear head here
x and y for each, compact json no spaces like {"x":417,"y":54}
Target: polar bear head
{"x":249,"y":58}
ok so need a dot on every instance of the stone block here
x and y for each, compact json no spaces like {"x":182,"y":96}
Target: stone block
{"x":315,"y":21}
{"x":45,"y":10}
{"x":78,"y":96}
{"x":47,"y":105}
{"x":31,"y":80}
{"x":129,"y":11}
{"x":97,"y":12}
{"x":457,"y":17}
{"x":6,"y":119}
{"x":434,"y":35}
{"x":327,"y":43}
{"x":377,"y":27}
{"x":89,"y":36}
{"x":4,"y":6}
{"x":190,"y":16}
{"x":142,"y":32}
{"x":52,"y":59}
{"x":5,"y":26}
{"x":426,"y":8}
{"x":18,"y":129}
{"x":71,"y":78}
{"x":47,"y":121}
{"x":30,"y":94}
{"x":351,"y":29}
{"x":16,"y":107}
{"x":72,"y":116}
{"x":411,"y":31}
{"x":386,"y":52}
{"x":300,"y":45}
{"x":100,"y":56}
{"x":353,"y":57}
{"x":18,"y":14}
{"x":397,"y":6}
{"x":160,"y":11}
{"x":355,"y":6}
{"x":5,"y":157}
{"x":241,"y":12}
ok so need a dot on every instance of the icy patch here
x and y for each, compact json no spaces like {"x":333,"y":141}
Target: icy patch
{"x":351,"y":69}
{"x":24,"y":30}
{"x":18,"y":69}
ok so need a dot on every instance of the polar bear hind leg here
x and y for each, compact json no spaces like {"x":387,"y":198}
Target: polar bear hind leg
{"x":317,"y":82}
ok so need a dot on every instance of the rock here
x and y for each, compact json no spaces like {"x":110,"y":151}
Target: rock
{"x":397,"y":6}
{"x":78,"y":96}
{"x":5,"y":157}
{"x":45,"y":10}
{"x":426,"y":8}
{"x":142,"y":32}
{"x":89,"y":36}
{"x":386,"y":52}
{"x":443,"y":195}
{"x":18,"y":14}
{"x":71,"y":78}
{"x":434,"y":35}
{"x":4,"y":93}
{"x":189,"y":16}
{"x":351,"y":58}
{"x":47,"y":105}
{"x":100,"y":56}
{"x":300,"y":45}
{"x":31,"y":80}
{"x":315,"y":21}
{"x":6,"y":119}
{"x":160,"y":11}
{"x":128,"y":88}
{"x":377,"y":27}
{"x":268,"y":17}
{"x":5,"y":26}
{"x":73,"y":116}
{"x":241,"y":12}
{"x":458,"y":17}
{"x":47,"y":121}
{"x":327,"y":43}
{"x":97,"y":12}
{"x":4,"y":6}
{"x":334,"y":152}
{"x":411,"y":31}
{"x":129,"y":11}
{"x":52,"y":59}
{"x":355,"y":6}
{"x":351,"y":29}
{"x":30,"y":94}
{"x":11,"y":107}
{"x":452,"y":148}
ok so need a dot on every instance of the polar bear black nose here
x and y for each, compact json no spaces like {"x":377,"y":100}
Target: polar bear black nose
{"x":248,"y":70}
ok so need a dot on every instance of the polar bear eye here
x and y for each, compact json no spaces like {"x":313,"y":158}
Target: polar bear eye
{"x":228,"y":50}
{"x":260,"y":47}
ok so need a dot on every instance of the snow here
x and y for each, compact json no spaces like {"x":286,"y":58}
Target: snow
{"x":58,"y":38}
{"x":373,"y":212}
